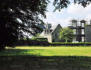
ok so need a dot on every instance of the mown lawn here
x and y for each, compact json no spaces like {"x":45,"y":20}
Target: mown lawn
{"x":47,"y":51}
{"x":46,"y":58}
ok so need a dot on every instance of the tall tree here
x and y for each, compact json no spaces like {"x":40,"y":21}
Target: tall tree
{"x":19,"y":16}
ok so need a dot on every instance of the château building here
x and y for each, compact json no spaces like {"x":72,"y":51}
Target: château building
{"x":51,"y":32}
{"x":81,"y":30}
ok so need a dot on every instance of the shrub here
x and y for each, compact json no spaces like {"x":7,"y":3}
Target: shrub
{"x":33,"y":42}
{"x":70,"y":44}
{"x":41,"y":39}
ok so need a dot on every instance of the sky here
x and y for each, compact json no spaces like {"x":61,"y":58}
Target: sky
{"x":73,"y":11}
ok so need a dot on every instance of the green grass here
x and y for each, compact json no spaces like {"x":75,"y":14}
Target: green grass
{"x":62,"y":58}
{"x":47,"y":51}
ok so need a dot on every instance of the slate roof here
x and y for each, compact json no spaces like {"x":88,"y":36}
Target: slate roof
{"x":54,"y":27}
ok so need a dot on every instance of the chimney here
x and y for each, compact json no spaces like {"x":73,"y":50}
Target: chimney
{"x":48,"y":26}
{"x":90,"y":22}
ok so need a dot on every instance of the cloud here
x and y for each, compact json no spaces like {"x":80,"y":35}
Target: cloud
{"x":73,"y":11}
{"x":76,"y":9}
{"x":88,"y":16}
{"x":54,"y":19}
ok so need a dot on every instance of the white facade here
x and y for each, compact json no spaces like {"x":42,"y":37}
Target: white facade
{"x":52,"y":33}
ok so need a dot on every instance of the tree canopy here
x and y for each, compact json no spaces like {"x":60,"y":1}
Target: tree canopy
{"x":66,"y":35}
{"x":19,"y":16}
{"x":60,"y":4}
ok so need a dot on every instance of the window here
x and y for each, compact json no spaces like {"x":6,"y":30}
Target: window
{"x":83,"y":24}
{"x":83,"y":39}
{"x":74,"y":31}
{"x":74,"y":24}
{"x":82,"y":31}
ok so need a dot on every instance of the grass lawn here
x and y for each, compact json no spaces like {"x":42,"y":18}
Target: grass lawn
{"x":54,"y":58}
{"x":47,"y":51}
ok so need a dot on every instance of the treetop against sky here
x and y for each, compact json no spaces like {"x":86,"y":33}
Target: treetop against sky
{"x":73,"y":11}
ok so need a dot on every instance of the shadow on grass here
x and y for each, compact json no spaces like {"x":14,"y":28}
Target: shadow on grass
{"x":45,"y":63}
{"x":15,"y":52}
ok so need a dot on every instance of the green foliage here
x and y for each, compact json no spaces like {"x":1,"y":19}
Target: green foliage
{"x":60,"y":4}
{"x":40,"y":39}
{"x":19,"y":16}
{"x":79,"y":44}
{"x":71,"y":43}
{"x":66,"y":34}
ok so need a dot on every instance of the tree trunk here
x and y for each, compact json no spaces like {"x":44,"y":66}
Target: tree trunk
{"x":66,"y":40}
{"x":2,"y":47}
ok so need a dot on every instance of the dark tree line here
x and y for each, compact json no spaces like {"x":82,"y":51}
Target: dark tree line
{"x":18,"y":16}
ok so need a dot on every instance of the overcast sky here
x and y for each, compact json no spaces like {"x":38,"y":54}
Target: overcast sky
{"x":73,"y":11}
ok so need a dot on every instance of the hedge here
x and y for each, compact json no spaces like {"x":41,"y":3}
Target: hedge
{"x":70,"y":44}
{"x":31,"y":43}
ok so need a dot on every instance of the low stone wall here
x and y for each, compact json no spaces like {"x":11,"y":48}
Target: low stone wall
{"x":44,"y":63}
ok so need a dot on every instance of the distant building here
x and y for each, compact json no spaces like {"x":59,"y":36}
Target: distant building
{"x":78,"y":28}
{"x":51,"y":32}
{"x":82,"y":31}
{"x":88,"y":33}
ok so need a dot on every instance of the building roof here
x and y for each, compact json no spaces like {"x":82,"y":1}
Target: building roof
{"x":54,"y":27}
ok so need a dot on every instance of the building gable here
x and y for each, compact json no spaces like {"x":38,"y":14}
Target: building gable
{"x":50,"y":32}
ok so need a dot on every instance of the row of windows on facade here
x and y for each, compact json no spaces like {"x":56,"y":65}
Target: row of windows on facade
{"x":47,"y":31}
{"x":78,"y":24}
{"x":82,"y":39}
{"x":77,"y":32}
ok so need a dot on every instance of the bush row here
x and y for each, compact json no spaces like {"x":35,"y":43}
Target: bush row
{"x":70,"y":44}
{"x":44,"y":42}
{"x":40,"y":39}
{"x":31,"y":43}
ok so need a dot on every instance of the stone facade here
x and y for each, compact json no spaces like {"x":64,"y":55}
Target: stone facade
{"x":78,"y":28}
{"x":88,"y":33}
{"x":51,"y":33}
{"x":56,"y":33}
